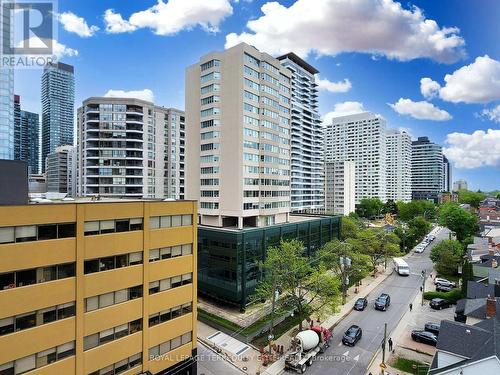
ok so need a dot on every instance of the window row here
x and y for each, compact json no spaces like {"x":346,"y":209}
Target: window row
{"x":112,"y":262}
{"x":120,"y":366}
{"x":38,"y":275}
{"x":210,"y":99}
{"x":209,"y":182}
{"x":209,"y":146}
{"x":170,"y":252}
{"x":112,"y":298}
{"x":37,"y":360}
{"x":111,"y":334}
{"x":210,"y":112}
{"x":112,"y":226}
{"x":40,"y":232}
{"x":169,"y":314}
{"x":209,"y":205}
{"x":170,"y":283}
{"x":214,"y":87}
{"x":169,"y":345}
{"x":210,"y":64}
{"x":156,"y":222}
{"x":209,"y":123}
{"x":209,"y":77}
{"x":36,"y":318}
{"x":209,"y":170}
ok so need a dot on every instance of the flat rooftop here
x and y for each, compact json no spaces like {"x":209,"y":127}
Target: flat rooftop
{"x":66,"y":200}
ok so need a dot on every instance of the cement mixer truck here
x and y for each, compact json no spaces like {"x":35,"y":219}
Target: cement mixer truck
{"x":305,"y":346}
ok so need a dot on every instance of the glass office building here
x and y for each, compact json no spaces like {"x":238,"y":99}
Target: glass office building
{"x":228,"y":259}
{"x":58,"y":102}
{"x":6,"y":113}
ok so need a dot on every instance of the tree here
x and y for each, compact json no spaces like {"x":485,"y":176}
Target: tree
{"x":390,"y":207}
{"x":306,"y":286}
{"x":452,"y":245}
{"x":349,"y":227}
{"x":447,"y":263}
{"x":376,"y":244}
{"x":410,"y":210}
{"x":471,"y":197}
{"x":418,"y":227}
{"x":458,"y":220}
{"x":467,"y":275}
{"x":369,"y":207}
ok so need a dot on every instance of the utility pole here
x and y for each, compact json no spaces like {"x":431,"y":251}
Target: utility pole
{"x":382,"y":365}
{"x":424,"y":276}
{"x":345,"y":264}
{"x":273,"y":306}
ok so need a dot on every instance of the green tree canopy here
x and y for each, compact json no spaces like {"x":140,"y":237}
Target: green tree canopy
{"x":410,"y":210}
{"x":471,"y":197}
{"x":458,"y":220}
{"x":447,"y":263}
{"x":390,"y":207}
{"x":369,"y":208}
{"x":350,"y":226}
{"x":376,"y":244}
{"x":453,"y":245}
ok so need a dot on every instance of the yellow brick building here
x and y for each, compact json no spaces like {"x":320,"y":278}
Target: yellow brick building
{"x":98,"y":288}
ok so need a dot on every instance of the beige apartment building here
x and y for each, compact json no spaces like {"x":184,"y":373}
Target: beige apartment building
{"x":238,"y":138}
{"x":98,"y":288}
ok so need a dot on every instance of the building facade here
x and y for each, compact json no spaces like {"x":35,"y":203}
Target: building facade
{"x":26,"y":136}
{"x":360,"y":138}
{"x":307,"y":175}
{"x":460,"y":185}
{"x":229,"y":260}
{"x":398,"y":164}
{"x":7,"y":113}
{"x":447,"y":175}
{"x":238,"y":138}
{"x":58,"y":105}
{"x":59,"y":170}
{"x":340,"y":191}
{"x":130,"y":147}
{"x":90,"y":288}
{"x":426,"y":169}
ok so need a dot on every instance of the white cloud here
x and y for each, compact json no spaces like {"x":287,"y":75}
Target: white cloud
{"x":343,"y":109}
{"x":492,"y":114}
{"x":340,"y":86}
{"x":329,"y":27}
{"x":429,"y":88}
{"x":420,"y":110}
{"x":475,"y":150}
{"x":478,"y":82}
{"x":74,"y":24}
{"x":171,"y":17}
{"x":59,"y":50}
{"x":145,"y":94}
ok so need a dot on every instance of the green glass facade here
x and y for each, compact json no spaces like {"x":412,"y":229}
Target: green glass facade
{"x":228,"y":260}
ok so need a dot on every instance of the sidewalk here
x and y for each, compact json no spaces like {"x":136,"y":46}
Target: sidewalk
{"x":368,"y":284}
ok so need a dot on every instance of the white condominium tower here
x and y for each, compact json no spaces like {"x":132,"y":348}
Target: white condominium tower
{"x":426,"y":169}
{"x":398,"y":163}
{"x":307,"y":137}
{"x":340,"y":180}
{"x":131,"y":148}
{"x":360,"y":138}
{"x":238,"y":138}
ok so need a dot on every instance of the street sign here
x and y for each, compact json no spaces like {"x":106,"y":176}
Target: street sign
{"x":383,"y":366}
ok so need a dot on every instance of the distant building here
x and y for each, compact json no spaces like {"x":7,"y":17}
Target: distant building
{"x":59,"y":170}
{"x":131,"y":148}
{"x":26,"y":136}
{"x":360,"y":138}
{"x":13,"y":187}
{"x":447,"y":175}
{"x":460,"y":185}
{"x":58,"y":105}
{"x":426,"y":169}
{"x":445,"y":197}
{"x":340,"y":179}
{"x":37,"y":183}
{"x":398,"y":164}
{"x":7,"y":113}
{"x":307,"y":177}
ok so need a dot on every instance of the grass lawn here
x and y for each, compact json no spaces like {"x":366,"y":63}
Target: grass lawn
{"x":406,"y":365}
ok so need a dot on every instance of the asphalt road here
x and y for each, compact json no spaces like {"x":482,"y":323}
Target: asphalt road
{"x":340,"y":359}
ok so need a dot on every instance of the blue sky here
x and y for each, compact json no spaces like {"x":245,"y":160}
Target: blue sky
{"x":370,"y":54}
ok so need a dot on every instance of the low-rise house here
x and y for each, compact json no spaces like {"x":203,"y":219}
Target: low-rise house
{"x":472,"y":311}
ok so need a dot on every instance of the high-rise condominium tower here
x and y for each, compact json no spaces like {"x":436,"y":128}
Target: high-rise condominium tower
{"x":238,"y":134}
{"x":398,"y":163}
{"x":58,"y":102}
{"x":340,"y":181}
{"x":306,"y":137}
{"x":26,"y":136}
{"x":7,"y":113}
{"x":130,"y":147}
{"x":59,"y":170}
{"x":426,"y":169}
{"x":447,"y":175}
{"x":360,"y":138}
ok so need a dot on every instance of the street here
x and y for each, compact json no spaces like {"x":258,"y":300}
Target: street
{"x":340,"y":359}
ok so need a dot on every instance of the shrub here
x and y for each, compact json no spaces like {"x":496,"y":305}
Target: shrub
{"x":452,"y":296}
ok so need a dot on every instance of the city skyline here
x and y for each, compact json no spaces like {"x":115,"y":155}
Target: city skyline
{"x":385,"y":79}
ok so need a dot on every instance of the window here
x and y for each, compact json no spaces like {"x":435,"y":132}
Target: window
{"x":169,"y":283}
{"x":251,"y":72}
{"x":47,"y":232}
{"x":112,"y":298}
{"x":112,"y":226}
{"x":26,"y":233}
{"x":7,"y":235}
{"x":25,"y":321}
{"x":210,"y":64}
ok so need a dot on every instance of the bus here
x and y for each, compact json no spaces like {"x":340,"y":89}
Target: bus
{"x":401,"y":267}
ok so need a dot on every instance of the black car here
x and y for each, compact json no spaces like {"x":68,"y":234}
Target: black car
{"x":432,"y":328}
{"x":382,"y":302}
{"x":352,"y":335}
{"x":439,"y":303}
{"x":360,"y":304}
{"x":424,"y":337}
{"x":443,"y":288}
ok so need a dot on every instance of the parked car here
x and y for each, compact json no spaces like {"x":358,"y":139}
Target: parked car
{"x":424,"y":337}
{"x":382,"y":302}
{"x":432,"y":328}
{"x":443,"y":288}
{"x":442,"y":281}
{"x":352,"y":335}
{"x":360,"y":304}
{"x":419,"y":248}
{"x":439,"y":303}
{"x":431,"y":237}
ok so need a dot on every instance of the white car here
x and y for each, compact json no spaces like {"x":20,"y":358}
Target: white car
{"x":444,"y":282}
{"x":419,"y":248}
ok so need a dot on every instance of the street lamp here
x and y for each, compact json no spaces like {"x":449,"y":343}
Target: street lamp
{"x":345,"y":265}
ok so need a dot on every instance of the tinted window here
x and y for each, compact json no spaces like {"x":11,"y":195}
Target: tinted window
{"x":47,"y":232}
{"x":66,"y":230}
